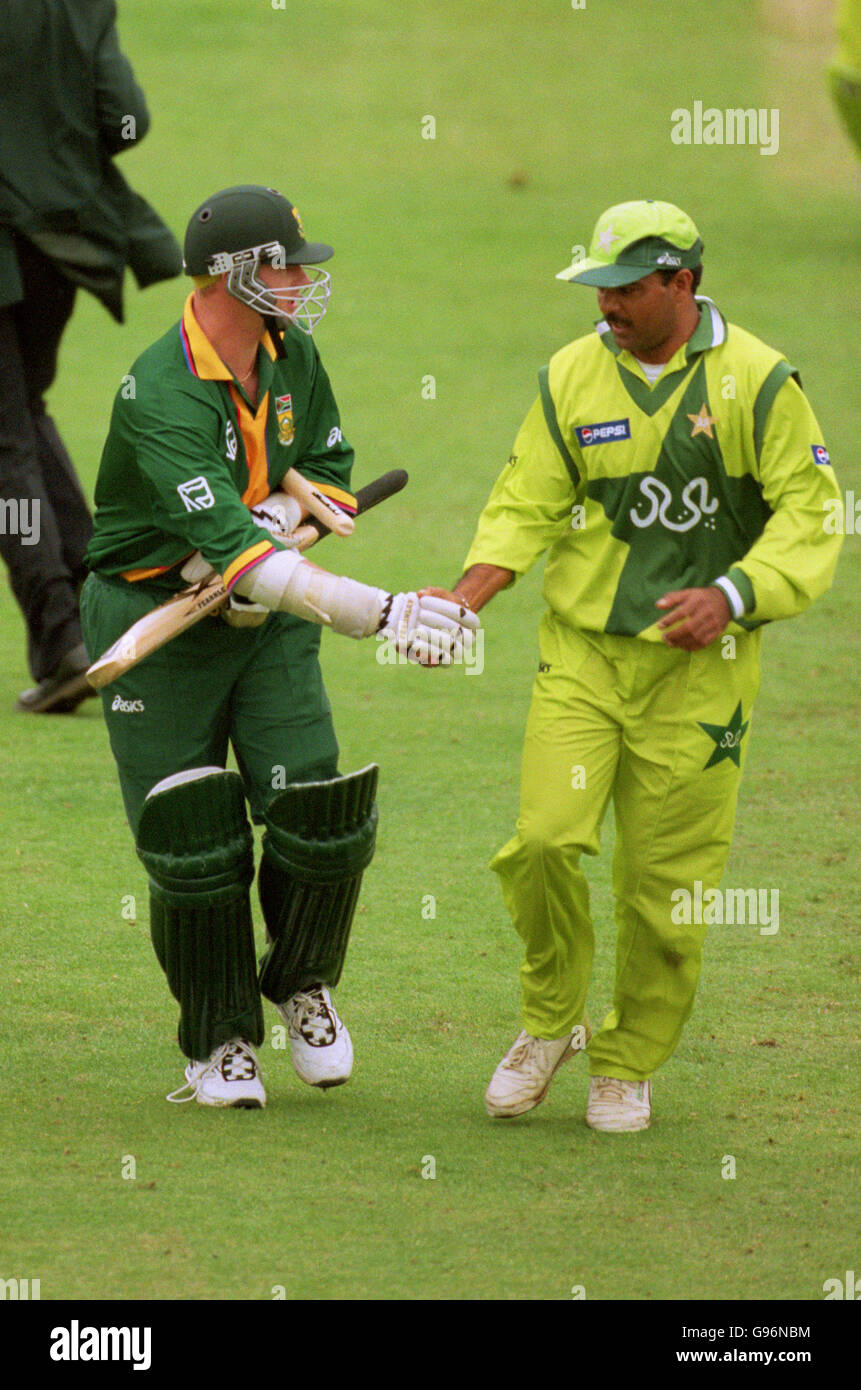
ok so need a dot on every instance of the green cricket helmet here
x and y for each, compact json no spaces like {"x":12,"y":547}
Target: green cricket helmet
{"x":239,"y":229}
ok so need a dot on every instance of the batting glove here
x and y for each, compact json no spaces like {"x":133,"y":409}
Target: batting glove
{"x":279,"y":514}
{"x":429,"y":631}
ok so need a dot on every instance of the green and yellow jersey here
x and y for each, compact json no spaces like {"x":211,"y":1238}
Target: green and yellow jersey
{"x":717,"y":471}
{"x":187,"y":455}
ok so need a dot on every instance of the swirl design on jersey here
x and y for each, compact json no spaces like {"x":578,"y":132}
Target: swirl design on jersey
{"x":660,"y":499}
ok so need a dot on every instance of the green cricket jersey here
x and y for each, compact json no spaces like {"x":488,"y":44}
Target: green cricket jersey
{"x":187,"y":455}
{"x":716,"y":471}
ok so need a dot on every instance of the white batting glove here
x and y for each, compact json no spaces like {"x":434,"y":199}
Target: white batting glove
{"x":241,"y":612}
{"x":279,"y":514}
{"x":429,"y":631}
{"x":196,"y":569}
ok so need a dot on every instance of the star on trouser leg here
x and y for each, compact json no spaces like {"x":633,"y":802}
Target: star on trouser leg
{"x":727,"y":738}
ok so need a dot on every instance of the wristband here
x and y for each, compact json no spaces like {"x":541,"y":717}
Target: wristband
{"x":731,"y":594}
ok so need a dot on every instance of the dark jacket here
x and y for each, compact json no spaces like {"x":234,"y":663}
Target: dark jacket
{"x":69,"y":102}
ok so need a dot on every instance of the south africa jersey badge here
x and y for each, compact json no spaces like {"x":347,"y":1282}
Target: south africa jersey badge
{"x":284,"y":412}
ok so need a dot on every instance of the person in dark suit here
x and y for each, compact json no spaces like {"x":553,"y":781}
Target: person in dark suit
{"x":69,"y":103}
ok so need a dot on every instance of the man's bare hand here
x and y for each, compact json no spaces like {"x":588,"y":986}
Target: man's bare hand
{"x":440,"y":593}
{"x":694,"y":617}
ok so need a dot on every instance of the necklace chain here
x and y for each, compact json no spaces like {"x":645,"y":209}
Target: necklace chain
{"x":251,"y":370}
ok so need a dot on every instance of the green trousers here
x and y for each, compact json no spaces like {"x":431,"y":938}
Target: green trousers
{"x":623,"y":719}
{"x":258,"y":690}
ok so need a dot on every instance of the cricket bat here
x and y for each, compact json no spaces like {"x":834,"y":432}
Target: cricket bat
{"x":159,"y":626}
{"x":321,"y":507}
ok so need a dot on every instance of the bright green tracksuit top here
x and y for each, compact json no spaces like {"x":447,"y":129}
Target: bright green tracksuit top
{"x":718,"y":471}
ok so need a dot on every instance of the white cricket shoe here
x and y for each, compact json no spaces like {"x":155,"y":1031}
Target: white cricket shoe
{"x":522,"y":1079}
{"x":319,"y":1042}
{"x":619,"y":1107}
{"x":231,"y":1077}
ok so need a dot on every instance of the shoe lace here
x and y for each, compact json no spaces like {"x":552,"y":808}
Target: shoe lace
{"x":312,"y":1008}
{"x":610,"y":1088}
{"x":236,"y":1062}
{"x":521,"y":1051}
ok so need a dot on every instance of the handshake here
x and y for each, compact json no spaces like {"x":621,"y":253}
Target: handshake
{"x":428,"y":628}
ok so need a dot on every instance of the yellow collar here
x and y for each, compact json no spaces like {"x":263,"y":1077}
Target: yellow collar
{"x":205,"y":360}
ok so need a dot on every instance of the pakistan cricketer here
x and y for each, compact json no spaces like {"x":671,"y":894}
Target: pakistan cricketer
{"x":206,"y":425}
{"x":676,"y":474}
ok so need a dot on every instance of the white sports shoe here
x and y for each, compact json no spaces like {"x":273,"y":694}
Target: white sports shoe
{"x":522,"y":1079}
{"x":319,"y":1043}
{"x":619,"y":1107}
{"x":231,"y":1077}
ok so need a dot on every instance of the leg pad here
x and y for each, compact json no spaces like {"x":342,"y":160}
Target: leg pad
{"x":319,"y":839}
{"x":196,"y":843}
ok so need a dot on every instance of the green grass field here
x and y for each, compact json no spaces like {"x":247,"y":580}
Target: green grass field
{"x":446,"y":251}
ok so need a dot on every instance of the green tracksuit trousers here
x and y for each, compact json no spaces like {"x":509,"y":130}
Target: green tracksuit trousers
{"x":663,"y":733}
{"x":257,"y":689}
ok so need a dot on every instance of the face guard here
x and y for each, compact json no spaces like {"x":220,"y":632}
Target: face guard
{"x":303,"y":305}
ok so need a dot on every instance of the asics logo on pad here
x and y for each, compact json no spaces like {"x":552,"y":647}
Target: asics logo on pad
{"x":607,"y":432}
{"x":127,"y":706}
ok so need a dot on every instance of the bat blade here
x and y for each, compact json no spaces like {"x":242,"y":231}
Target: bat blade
{"x":157,"y":627}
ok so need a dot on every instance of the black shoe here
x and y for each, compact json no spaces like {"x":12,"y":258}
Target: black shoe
{"x":62,"y":692}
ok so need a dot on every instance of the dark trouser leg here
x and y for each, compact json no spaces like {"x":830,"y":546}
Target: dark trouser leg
{"x":45,"y":521}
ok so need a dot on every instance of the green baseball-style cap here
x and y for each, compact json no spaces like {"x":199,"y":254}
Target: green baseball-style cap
{"x":631,"y":240}
{"x":242,"y":217}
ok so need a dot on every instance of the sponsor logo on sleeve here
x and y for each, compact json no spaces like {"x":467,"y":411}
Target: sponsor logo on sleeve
{"x":196,"y":494}
{"x":231,"y":448}
{"x":607,"y":432}
{"x":820,"y":454}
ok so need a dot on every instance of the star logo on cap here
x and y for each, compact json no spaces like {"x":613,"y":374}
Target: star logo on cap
{"x":607,"y":237}
{"x":702,"y":423}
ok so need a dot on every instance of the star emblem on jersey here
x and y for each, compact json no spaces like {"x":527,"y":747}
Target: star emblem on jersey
{"x":702,"y":423}
{"x":607,"y":237}
{"x":727,"y":739}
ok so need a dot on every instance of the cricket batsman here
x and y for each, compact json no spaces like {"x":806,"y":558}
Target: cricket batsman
{"x":677,"y":477}
{"x":204,"y":429}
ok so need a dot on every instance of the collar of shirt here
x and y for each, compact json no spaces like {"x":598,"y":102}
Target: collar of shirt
{"x":709,"y":332}
{"x":204,"y":362}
